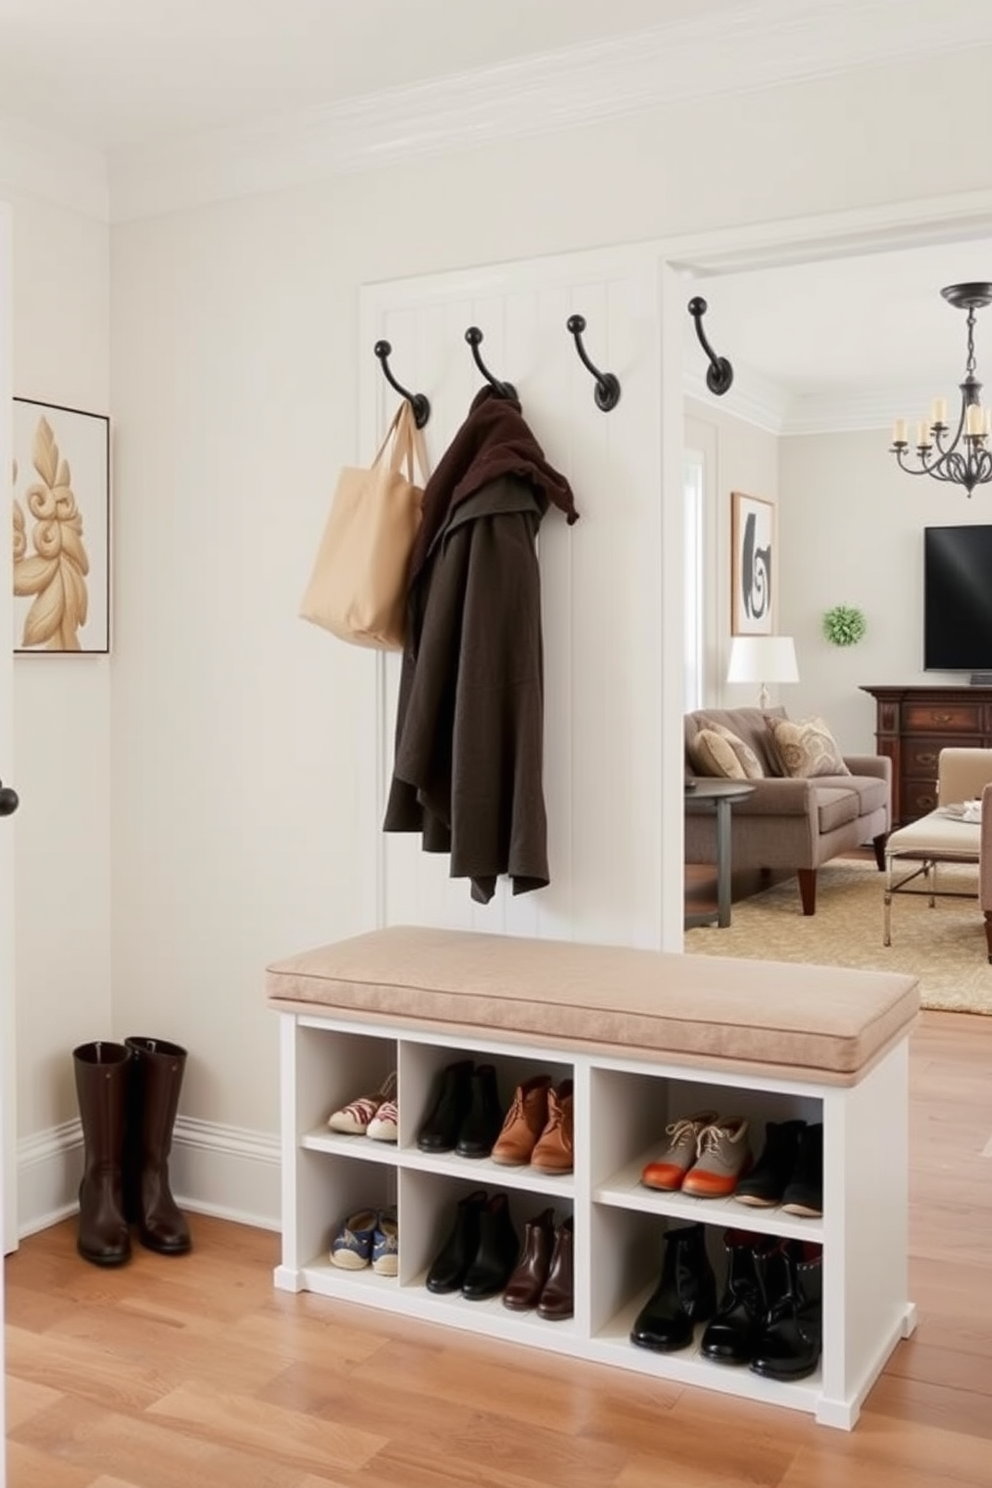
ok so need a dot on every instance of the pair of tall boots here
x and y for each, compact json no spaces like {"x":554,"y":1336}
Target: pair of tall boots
{"x":128,"y":1098}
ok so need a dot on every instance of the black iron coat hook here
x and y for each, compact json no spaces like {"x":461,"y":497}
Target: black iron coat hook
{"x":504,"y":389}
{"x":419,"y":402}
{"x":8,"y":800}
{"x":719,"y":374}
{"x":607,"y":389}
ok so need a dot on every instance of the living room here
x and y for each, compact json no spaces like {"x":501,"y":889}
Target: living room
{"x":209,"y":300}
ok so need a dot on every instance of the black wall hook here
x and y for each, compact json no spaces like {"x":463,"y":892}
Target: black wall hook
{"x":607,"y":389}
{"x":419,"y":402}
{"x":719,"y":374}
{"x":505,"y":389}
{"x":8,"y":800}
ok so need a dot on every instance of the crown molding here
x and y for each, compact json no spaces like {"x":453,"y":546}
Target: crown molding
{"x":751,"y":397}
{"x":747,"y":47}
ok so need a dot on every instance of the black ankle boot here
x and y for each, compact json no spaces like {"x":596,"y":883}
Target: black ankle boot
{"x":499,"y":1246}
{"x":484,"y":1121}
{"x":731,"y":1336}
{"x":685,"y":1294}
{"x":804,"y":1190}
{"x":766,"y":1182}
{"x":449,"y":1267}
{"x":451,"y":1099}
{"x":788,"y":1347}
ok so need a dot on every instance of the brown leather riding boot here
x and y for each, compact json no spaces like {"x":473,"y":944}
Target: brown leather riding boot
{"x":101,"y":1071}
{"x":156,"y":1077}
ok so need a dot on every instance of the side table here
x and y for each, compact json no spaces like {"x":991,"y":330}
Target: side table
{"x":719,"y":796}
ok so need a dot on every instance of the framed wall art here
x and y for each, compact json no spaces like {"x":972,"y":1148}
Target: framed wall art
{"x":752,"y":542}
{"x":61,"y":499}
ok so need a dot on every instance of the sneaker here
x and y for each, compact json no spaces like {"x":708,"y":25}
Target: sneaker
{"x":352,"y":1245}
{"x":353,"y":1119}
{"x":723,"y":1156}
{"x":384,"y":1126}
{"x":386,"y":1244}
{"x":668,"y":1171}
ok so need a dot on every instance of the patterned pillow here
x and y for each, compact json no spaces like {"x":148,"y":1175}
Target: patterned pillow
{"x":749,"y":761}
{"x":711,"y":754}
{"x":807,"y":748}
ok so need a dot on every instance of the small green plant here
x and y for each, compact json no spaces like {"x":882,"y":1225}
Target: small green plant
{"x":844,"y":625}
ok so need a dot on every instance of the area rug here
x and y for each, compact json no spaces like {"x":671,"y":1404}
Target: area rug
{"x":944,"y":946}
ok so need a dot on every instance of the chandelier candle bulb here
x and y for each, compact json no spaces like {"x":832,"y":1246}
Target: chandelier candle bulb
{"x":899,"y":431}
{"x":923,"y":435}
{"x":939,"y":414}
{"x":975,"y":420}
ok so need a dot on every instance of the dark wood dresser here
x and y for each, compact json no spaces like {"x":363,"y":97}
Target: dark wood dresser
{"x":912,"y":726}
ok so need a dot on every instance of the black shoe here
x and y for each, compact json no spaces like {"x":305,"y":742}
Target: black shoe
{"x":788,"y":1347}
{"x":685,"y":1294}
{"x":804,"y":1190}
{"x":731,"y":1336}
{"x":449,"y":1267}
{"x":484,"y":1121}
{"x":766,"y":1182}
{"x":496,"y":1257}
{"x":449,"y":1106}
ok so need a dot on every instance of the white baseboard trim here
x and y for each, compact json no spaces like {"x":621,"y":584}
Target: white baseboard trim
{"x":226,"y":1171}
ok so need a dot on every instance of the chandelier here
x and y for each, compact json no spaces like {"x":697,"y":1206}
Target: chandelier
{"x":964,"y":459}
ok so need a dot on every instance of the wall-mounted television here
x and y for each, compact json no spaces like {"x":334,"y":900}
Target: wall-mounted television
{"x":957,"y":599}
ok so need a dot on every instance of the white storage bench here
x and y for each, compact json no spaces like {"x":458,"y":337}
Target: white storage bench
{"x":647,"y":1037}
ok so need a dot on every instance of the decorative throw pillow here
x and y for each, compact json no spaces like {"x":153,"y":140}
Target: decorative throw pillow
{"x":712,"y":755}
{"x":749,"y":761}
{"x":807,"y":748}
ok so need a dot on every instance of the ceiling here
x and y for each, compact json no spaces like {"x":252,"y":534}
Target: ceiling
{"x":814,"y":345}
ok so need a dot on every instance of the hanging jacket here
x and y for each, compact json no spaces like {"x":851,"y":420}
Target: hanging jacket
{"x":468,"y":766}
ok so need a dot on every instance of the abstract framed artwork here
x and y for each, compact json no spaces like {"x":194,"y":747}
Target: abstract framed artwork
{"x":61,"y":529}
{"x":752,"y":541}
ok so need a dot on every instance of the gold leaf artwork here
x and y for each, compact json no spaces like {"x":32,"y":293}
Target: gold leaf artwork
{"x":54,"y":565}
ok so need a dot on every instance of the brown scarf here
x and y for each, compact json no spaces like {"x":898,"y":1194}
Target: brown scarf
{"x":494,"y":440}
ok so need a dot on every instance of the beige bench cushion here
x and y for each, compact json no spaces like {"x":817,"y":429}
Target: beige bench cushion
{"x":814,"y":1021}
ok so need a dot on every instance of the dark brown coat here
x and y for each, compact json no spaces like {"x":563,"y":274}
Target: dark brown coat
{"x":468,"y":768}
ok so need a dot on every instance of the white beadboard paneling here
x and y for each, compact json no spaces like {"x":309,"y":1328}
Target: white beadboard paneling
{"x":600,"y":578}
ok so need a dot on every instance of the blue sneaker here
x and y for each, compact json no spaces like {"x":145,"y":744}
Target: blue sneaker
{"x":385,"y":1244}
{"x":352,"y":1245}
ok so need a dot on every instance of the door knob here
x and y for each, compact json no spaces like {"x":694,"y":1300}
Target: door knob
{"x":8,"y":800}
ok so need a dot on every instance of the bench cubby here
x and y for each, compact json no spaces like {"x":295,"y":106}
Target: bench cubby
{"x":624,"y":1096}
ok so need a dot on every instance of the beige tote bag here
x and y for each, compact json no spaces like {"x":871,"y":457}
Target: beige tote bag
{"x":358,"y":586}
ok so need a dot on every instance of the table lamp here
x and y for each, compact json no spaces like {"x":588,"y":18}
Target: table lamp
{"x":762,"y":659}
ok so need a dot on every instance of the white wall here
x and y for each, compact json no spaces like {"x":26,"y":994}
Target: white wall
{"x":236,"y":735}
{"x":61,"y":705}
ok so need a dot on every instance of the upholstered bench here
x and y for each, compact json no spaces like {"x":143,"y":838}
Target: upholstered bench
{"x":646,"y":1037}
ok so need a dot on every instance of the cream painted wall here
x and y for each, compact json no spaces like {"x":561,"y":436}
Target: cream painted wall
{"x":852,"y":525}
{"x":236,"y":740}
{"x":62,"y":739}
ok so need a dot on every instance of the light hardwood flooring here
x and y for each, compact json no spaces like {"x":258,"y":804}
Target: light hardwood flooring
{"x":193,"y":1372}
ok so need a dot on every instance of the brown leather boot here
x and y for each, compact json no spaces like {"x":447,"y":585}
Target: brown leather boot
{"x":553,"y":1153}
{"x":101,"y":1071}
{"x":524,"y":1123}
{"x":557,"y":1298}
{"x":156,"y":1076}
{"x":524,"y":1288}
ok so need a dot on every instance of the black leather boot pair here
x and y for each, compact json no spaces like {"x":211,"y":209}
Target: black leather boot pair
{"x":543,"y":1275}
{"x":128,"y":1098}
{"x":770,"y":1315}
{"x":684,"y":1296}
{"x":480,"y":1251}
{"x":464,"y":1114}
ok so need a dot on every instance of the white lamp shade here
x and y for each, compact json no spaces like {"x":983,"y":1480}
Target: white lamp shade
{"x":762,"y":659}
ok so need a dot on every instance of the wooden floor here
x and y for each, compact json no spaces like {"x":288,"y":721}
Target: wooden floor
{"x":192,"y":1372}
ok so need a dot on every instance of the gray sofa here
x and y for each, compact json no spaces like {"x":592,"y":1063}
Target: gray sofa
{"x":793,"y":824}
